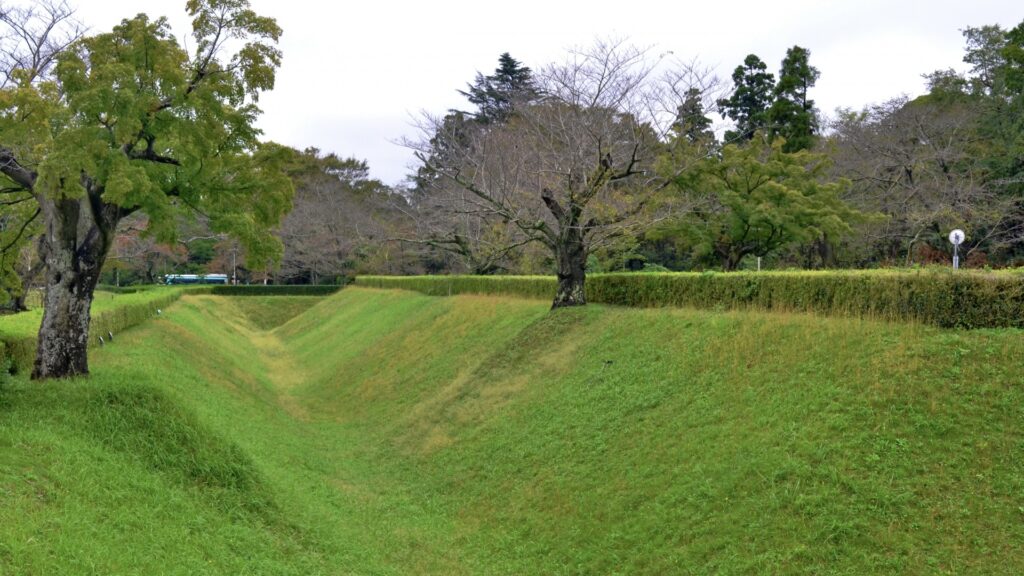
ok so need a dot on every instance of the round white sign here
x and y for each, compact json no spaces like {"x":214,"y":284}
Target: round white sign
{"x":956,"y":237}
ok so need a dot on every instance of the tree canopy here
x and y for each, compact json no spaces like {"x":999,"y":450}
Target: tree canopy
{"x":129,"y":121}
{"x":756,"y":199}
{"x":496,"y":95}
{"x":748,"y":104}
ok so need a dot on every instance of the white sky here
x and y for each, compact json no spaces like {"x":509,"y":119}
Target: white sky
{"x":354,"y":73}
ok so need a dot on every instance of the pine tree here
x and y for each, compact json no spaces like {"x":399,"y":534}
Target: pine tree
{"x":748,"y":105}
{"x":792,"y":115}
{"x":496,"y":96}
{"x":692,"y":123}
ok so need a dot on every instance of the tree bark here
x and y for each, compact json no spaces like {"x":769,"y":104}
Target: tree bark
{"x":731,"y":260}
{"x":826,"y":251}
{"x":74,"y":247}
{"x":570,"y":250}
{"x":572,"y":267}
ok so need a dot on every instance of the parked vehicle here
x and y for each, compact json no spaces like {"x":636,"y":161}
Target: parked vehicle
{"x":196,"y":279}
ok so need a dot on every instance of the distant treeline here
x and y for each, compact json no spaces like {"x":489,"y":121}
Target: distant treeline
{"x":618,"y":160}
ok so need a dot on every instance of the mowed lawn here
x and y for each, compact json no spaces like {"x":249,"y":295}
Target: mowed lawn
{"x":387,"y":432}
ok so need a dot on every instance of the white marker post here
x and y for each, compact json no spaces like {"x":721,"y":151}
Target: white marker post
{"x":957,"y":238}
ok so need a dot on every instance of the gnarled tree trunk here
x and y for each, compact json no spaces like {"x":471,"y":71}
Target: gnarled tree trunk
{"x":570,"y":251}
{"x":74,"y":246}
{"x":572,"y":264}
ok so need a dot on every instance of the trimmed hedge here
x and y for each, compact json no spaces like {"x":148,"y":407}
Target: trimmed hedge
{"x":961,"y":299}
{"x":110,"y":313}
{"x":272,"y":290}
{"x":127,"y":289}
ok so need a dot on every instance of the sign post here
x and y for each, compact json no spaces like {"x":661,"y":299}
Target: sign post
{"x":956,"y":237}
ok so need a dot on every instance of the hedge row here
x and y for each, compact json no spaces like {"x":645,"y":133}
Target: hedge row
{"x":110,"y":313}
{"x":128,"y":289}
{"x":950,"y":299}
{"x":271,"y":290}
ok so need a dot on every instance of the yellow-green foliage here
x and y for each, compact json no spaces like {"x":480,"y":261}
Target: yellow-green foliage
{"x":110,"y":313}
{"x":940,"y":297}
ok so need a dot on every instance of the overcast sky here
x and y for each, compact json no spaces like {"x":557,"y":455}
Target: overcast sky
{"x":354,"y":73}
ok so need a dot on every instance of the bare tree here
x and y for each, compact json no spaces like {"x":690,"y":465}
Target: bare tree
{"x":340,"y":218}
{"x":572,"y":171}
{"x":33,"y":36}
{"x":918,"y":163}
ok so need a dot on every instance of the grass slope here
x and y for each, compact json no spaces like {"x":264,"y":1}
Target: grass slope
{"x":385,"y":432}
{"x":110,"y":312}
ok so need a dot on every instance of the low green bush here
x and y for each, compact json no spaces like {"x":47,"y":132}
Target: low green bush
{"x":272,"y":290}
{"x":946,"y":298}
{"x":127,"y":289}
{"x":539,"y":287}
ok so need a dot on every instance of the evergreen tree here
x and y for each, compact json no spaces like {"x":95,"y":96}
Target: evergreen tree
{"x":792,"y":114}
{"x":692,"y":123}
{"x":1012,"y":62}
{"x":748,"y":105}
{"x":1003,"y":124}
{"x":495,"y":96}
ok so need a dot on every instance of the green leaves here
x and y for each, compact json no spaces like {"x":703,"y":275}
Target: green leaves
{"x":143,"y":125}
{"x":755,"y":199}
{"x":218,"y":22}
{"x":749,"y":102}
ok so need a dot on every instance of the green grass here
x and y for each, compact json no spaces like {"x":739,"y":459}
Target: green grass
{"x":266,"y":313}
{"x":110,"y":312}
{"x":387,"y":432}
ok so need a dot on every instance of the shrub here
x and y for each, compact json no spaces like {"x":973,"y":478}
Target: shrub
{"x":945,"y":298}
{"x":273,"y":290}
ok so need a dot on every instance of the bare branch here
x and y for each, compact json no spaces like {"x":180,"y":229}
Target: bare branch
{"x":33,"y":36}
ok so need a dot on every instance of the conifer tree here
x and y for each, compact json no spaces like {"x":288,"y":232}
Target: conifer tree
{"x":752,"y":96}
{"x":792,"y":115}
{"x":692,"y":123}
{"x":495,"y":96}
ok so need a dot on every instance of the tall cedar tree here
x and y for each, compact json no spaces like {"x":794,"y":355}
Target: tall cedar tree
{"x":792,"y":115}
{"x":692,"y":123}
{"x":752,"y":96}
{"x":497,"y":95}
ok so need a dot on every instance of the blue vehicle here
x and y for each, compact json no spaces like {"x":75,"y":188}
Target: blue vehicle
{"x":196,"y":279}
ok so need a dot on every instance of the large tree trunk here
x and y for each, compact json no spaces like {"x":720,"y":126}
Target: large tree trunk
{"x":570,"y":251}
{"x":572,"y":268}
{"x":731,"y":260}
{"x":826,"y":251}
{"x":73,"y":248}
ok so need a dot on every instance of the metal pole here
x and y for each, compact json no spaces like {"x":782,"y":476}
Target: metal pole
{"x":956,"y":256}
